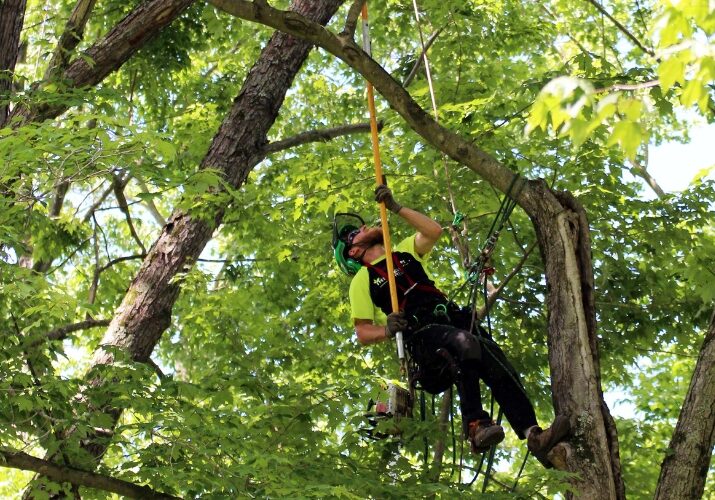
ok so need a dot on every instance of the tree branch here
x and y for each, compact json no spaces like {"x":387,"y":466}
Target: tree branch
{"x":118,"y":184}
{"x":20,"y":460}
{"x":623,"y":29}
{"x":418,"y":119}
{"x":322,"y":135}
{"x":149,"y":204}
{"x":110,"y":53}
{"x":642,"y":171}
{"x":351,"y":20}
{"x":420,"y":59}
{"x":62,"y":332}
{"x":90,"y":211}
{"x":492,"y":297}
{"x":628,"y":86}
{"x":72,"y":35}
{"x":445,"y":408}
{"x":120,"y":259}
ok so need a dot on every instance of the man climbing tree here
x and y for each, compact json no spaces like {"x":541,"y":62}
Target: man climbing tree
{"x":446,"y":345}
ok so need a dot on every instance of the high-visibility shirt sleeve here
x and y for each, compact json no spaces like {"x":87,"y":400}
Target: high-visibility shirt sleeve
{"x":361,"y":305}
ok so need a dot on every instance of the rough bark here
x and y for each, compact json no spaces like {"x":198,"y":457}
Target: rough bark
{"x":109,"y":53}
{"x":687,"y":460}
{"x":12,"y":16}
{"x":237,"y":147}
{"x":574,"y":371}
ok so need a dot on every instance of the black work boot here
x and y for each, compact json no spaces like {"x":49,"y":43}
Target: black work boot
{"x":483,"y":434}
{"x":540,"y":442}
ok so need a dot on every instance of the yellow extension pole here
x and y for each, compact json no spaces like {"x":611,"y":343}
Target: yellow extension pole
{"x":378,"y":181}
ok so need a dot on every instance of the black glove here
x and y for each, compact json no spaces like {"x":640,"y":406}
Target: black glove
{"x":396,"y":322}
{"x":383,"y":194}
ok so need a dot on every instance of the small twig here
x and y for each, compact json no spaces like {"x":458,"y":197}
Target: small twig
{"x":628,"y":86}
{"x":117,"y":260}
{"x":623,"y":29}
{"x":157,"y":369}
{"x":90,"y":211}
{"x":439,"y":447}
{"x":95,"y":274}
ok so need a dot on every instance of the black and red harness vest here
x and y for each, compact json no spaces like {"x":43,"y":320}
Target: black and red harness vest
{"x":416,"y":293}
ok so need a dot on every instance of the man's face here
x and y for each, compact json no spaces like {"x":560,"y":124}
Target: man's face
{"x":363,"y":238}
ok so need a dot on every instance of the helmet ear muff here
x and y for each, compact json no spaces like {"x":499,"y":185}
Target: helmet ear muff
{"x":343,"y":224}
{"x":348,"y":265}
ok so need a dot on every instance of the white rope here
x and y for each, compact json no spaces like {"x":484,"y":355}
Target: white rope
{"x":430,"y":84}
{"x":428,"y":73}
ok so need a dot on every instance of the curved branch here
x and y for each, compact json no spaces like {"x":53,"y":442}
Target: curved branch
{"x":120,"y":259}
{"x":19,"y":460}
{"x":349,"y":52}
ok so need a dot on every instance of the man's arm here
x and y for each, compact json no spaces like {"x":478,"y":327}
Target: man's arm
{"x":428,"y":230}
{"x":368,"y":332}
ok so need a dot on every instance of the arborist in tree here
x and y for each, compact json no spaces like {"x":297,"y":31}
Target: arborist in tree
{"x":443,"y":348}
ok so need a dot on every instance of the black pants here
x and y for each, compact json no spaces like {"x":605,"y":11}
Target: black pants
{"x":476,"y":357}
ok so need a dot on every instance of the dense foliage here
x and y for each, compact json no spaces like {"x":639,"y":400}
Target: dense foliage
{"x":259,"y":387}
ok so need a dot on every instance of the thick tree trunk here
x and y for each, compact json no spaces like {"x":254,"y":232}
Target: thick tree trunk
{"x":238,"y":146}
{"x":109,"y":53}
{"x":563,"y":234}
{"x":12,"y":16}
{"x":687,"y":460}
{"x":562,"y":230}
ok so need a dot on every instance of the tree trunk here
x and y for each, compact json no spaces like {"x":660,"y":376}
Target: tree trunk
{"x":563,"y":237}
{"x":687,"y":460}
{"x":12,"y":16}
{"x":563,"y":233}
{"x":238,"y":146}
{"x":109,"y":53}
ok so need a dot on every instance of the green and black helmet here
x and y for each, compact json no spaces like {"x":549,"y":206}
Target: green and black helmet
{"x":345,"y":227}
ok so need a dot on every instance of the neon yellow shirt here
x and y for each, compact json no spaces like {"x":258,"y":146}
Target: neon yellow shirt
{"x":361,"y":304}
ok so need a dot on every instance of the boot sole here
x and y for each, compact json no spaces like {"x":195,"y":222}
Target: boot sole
{"x":494,"y":436}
